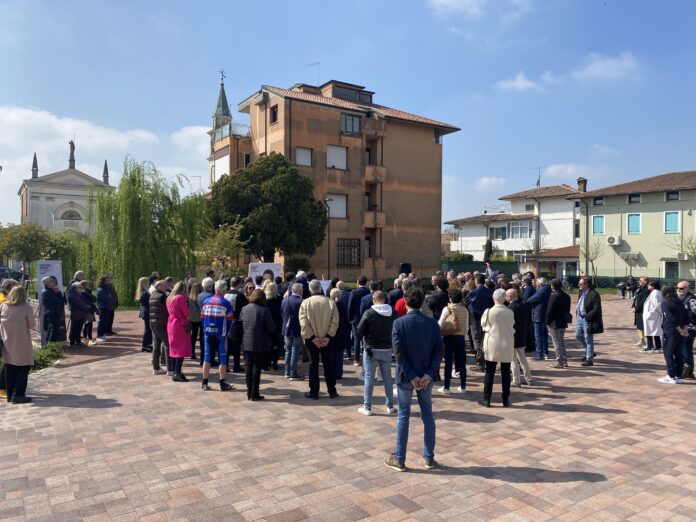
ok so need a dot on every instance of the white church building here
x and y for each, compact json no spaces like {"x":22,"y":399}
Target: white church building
{"x":60,"y":201}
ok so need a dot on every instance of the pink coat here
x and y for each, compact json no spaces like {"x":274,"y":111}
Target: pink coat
{"x":179,"y":337}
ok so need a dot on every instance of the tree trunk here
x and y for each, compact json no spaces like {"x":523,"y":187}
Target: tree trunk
{"x":267,"y":256}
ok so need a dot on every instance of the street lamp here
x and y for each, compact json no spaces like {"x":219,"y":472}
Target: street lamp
{"x":328,"y":233}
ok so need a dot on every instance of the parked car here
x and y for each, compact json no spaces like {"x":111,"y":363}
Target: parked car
{"x":9,"y":273}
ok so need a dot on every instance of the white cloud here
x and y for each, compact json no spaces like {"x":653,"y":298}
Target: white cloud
{"x":605,"y":68}
{"x":550,"y":78}
{"x":193,"y":139}
{"x":487,"y":183}
{"x":519,"y":9}
{"x":519,"y":83}
{"x":470,"y":8}
{"x":570,"y":170}
{"x":605,"y":150}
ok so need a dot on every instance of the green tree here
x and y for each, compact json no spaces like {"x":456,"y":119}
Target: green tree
{"x":275,"y":206}
{"x":26,"y":242}
{"x":488,"y":250}
{"x":221,"y":248}
{"x":66,"y":247}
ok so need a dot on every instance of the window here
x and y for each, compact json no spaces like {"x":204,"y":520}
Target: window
{"x":672,"y":195}
{"x":519,"y":229}
{"x":671,"y":222}
{"x":303,"y":157}
{"x":337,"y":204}
{"x":598,"y":201}
{"x":529,"y":207}
{"x":634,"y":198}
{"x":633,"y":224}
{"x":437,"y":136}
{"x":247,"y":158}
{"x":71,"y":214}
{"x":336,"y":157}
{"x":598,"y":225}
{"x":350,"y":124}
{"x":348,"y":252}
{"x":274,"y":114}
{"x":499,"y":233}
{"x":577,"y":229}
{"x":671,"y":270}
{"x":577,"y":204}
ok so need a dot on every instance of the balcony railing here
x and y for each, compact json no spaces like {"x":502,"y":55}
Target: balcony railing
{"x":374,"y":127}
{"x":375,"y":174}
{"x":374,"y":219}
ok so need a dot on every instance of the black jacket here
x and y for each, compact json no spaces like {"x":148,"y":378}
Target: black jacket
{"x":593,"y":312}
{"x":377,"y":328}
{"x":436,"y":302}
{"x":158,"y":309}
{"x":258,"y":326}
{"x":673,"y":316}
{"x":78,"y":306}
{"x":395,"y":295}
{"x":521,"y":313}
{"x":638,"y":303}
{"x":354,"y":303}
{"x":558,"y":309}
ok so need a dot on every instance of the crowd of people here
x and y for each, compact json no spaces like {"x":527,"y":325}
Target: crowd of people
{"x":248,"y":325}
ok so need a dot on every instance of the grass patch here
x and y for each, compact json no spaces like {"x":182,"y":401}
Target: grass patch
{"x":47,"y":357}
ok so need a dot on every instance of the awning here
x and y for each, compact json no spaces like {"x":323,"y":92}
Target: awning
{"x":673,"y":259}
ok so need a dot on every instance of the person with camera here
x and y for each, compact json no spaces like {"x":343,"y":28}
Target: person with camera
{"x":376,"y":329}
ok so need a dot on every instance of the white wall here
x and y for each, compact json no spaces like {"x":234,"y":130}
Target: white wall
{"x":557,"y":223}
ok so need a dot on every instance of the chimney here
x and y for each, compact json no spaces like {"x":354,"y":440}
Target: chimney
{"x":34,"y":168}
{"x":105,"y":174}
{"x":582,"y":185}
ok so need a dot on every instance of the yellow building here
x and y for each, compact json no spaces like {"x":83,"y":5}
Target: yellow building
{"x":378,"y":169}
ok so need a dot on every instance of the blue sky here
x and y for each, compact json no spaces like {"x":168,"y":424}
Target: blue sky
{"x":602,"y":89}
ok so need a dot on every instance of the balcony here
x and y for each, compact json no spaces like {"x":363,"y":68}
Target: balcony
{"x":374,"y":219}
{"x":374,"y":127}
{"x":375,"y":174}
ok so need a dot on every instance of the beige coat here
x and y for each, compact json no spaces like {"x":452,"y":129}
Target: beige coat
{"x":462,"y":316}
{"x":498,"y":323}
{"x":318,"y":317}
{"x":15,"y":323}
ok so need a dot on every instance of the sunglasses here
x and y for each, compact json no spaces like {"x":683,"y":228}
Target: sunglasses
{"x":681,"y":288}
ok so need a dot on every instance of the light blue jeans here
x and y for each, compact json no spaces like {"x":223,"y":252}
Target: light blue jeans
{"x":425,"y":401}
{"x":383,"y":359}
{"x":293,"y":346}
{"x":583,"y":334}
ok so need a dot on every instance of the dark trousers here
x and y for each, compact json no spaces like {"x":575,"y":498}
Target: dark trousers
{"x":196,"y":333}
{"x":326,"y":356}
{"x":87,"y":329}
{"x":254,"y":362}
{"x":673,"y":352}
{"x":103,"y":323}
{"x":531,"y":339}
{"x":147,"y":334}
{"x":76,"y":331}
{"x":654,"y":342}
{"x":477,"y":333}
{"x":16,"y":378}
{"x":235,"y":351}
{"x":455,"y":350}
{"x":357,"y":338}
{"x":2,"y":376}
{"x":177,"y":363}
{"x":688,"y":351}
{"x":488,"y":380}
{"x":160,"y":347}
{"x":110,"y":321}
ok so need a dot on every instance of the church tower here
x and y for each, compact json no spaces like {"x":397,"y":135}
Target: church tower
{"x":222,"y":115}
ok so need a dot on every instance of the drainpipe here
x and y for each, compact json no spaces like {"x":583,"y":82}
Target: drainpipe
{"x":537,"y":239}
{"x":587,"y":233}
{"x":290,"y":129}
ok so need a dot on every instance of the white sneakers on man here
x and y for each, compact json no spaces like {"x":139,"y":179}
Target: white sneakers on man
{"x":669,"y":380}
{"x":444,"y":391}
{"x":364,"y":411}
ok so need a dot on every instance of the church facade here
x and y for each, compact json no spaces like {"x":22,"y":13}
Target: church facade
{"x":61,"y":201}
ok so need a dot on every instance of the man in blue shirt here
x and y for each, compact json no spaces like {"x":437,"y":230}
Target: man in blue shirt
{"x":354,"y":315}
{"x":478,"y":301}
{"x":417,"y":344}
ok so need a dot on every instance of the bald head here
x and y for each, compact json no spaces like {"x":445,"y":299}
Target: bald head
{"x":511,"y":295}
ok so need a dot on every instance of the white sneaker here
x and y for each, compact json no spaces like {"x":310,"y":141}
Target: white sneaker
{"x":455,"y":374}
{"x":679,"y":380}
{"x":169,"y":373}
{"x":461,"y":390}
{"x":639,"y":343}
{"x":444,"y":391}
{"x":101,"y":340}
{"x":668,"y":380}
{"x":157,"y":372}
{"x":363,"y":410}
{"x":92,"y":343}
{"x":391,"y":410}
{"x":395,"y":393}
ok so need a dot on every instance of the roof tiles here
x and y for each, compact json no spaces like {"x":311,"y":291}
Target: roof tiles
{"x":664,"y":182}
{"x":543,"y":192}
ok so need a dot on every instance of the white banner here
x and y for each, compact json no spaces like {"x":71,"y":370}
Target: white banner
{"x":50,"y":268}
{"x":257,"y":269}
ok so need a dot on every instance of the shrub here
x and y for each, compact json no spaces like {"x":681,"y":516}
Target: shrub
{"x":46,"y":357}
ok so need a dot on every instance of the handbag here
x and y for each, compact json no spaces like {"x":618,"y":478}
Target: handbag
{"x":451,"y":325}
{"x":568,"y":318}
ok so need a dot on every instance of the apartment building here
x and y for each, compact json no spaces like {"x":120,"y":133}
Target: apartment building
{"x":642,"y":227}
{"x":541,"y":220}
{"x":378,"y":169}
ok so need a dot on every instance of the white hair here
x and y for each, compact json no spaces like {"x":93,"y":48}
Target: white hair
{"x":208,"y":283}
{"x":315,"y":287}
{"x":301,"y":273}
{"x":297,"y":289}
{"x":220,"y":286}
{"x":499,"y":296}
{"x":542,"y":281}
{"x":397,"y":282}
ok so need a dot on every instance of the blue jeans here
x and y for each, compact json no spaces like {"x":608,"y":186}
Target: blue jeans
{"x":356,"y":341}
{"x":425,"y":401}
{"x":293,"y":346}
{"x":541,"y":336}
{"x":583,"y":334}
{"x":381,"y":358}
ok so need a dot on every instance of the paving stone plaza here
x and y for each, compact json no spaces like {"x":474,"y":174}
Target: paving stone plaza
{"x":107,"y":440}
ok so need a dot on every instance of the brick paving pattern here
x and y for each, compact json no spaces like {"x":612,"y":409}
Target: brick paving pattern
{"x":106,"y":440}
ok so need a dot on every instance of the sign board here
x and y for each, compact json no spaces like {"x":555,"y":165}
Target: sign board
{"x":257,"y":269}
{"x":50,"y":268}
{"x":325,"y":284}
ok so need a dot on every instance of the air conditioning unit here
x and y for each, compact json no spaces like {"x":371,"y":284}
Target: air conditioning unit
{"x":613,"y":240}
{"x":683,"y":256}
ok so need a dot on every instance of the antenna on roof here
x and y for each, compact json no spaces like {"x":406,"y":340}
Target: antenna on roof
{"x":538,"y":183}
{"x":312,"y":65}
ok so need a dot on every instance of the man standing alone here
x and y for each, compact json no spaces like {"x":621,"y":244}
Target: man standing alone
{"x":418,"y":345}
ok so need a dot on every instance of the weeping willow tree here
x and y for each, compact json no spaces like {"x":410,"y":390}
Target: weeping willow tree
{"x":145,"y":225}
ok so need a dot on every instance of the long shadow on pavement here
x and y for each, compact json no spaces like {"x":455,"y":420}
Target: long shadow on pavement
{"x":68,"y":400}
{"x":570,"y":408}
{"x":519,"y":475}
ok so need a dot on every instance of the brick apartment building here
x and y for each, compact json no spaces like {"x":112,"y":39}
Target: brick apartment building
{"x":378,"y":169}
